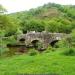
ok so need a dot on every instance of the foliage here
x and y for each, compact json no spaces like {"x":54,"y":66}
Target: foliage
{"x":39,"y":45}
{"x":32,"y":25}
{"x":50,"y":17}
{"x":62,"y":44}
{"x":7,"y":23}
{"x":69,"y":52}
{"x":3,"y":51}
{"x":71,"y":39}
{"x":32,"y":52}
{"x":49,"y":49}
{"x":8,"y":27}
{"x":2,"y":9}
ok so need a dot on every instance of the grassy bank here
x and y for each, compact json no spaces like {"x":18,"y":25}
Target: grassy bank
{"x":49,"y":63}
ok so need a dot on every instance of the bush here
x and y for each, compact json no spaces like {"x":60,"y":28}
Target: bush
{"x":11,"y":40}
{"x":32,"y":52}
{"x":69,"y":52}
{"x":3,"y":45}
{"x":62,"y":44}
{"x":3,"y":50}
{"x":49,"y":49}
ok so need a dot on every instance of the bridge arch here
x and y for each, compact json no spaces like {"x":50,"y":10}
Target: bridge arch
{"x":53,"y":43}
{"x":37,"y":43}
{"x":22,"y":40}
{"x":55,"y":40}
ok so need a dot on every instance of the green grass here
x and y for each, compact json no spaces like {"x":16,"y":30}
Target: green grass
{"x":49,"y":63}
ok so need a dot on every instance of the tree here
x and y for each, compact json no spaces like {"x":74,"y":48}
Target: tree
{"x":32,"y":25}
{"x":52,"y":26}
{"x":2,"y":9}
{"x":7,"y":23}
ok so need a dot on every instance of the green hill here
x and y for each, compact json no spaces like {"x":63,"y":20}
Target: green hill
{"x":47,"y":16}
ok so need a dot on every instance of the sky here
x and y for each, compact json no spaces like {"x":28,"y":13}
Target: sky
{"x":21,"y":5}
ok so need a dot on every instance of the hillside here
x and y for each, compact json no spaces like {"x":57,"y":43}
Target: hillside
{"x":48,"y":10}
{"x":47,"y":16}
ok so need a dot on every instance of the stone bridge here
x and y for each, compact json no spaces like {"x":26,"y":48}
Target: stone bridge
{"x":44,"y":38}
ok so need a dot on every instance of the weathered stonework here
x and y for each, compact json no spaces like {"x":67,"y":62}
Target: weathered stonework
{"x":46,"y":38}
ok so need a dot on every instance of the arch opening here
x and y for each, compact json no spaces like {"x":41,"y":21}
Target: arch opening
{"x":35,"y":43}
{"x":38,"y":45}
{"x":53,"y":43}
{"x":22,"y":40}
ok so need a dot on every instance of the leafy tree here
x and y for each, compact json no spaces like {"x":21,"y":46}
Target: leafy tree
{"x":52,"y":26}
{"x":32,"y":25}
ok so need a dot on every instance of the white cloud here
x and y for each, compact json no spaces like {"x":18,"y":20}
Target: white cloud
{"x":19,"y":5}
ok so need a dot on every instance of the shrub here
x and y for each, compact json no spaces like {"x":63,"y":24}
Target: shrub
{"x":69,"y":52}
{"x":3,"y":45}
{"x":62,"y":44}
{"x":3,"y":50}
{"x":49,"y":49}
{"x":32,"y":52}
{"x":11,"y":40}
